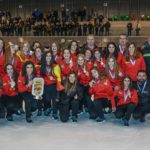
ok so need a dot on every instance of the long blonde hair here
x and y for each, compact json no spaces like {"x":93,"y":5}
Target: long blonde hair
{"x":115,"y":67}
{"x":83,"y":56}
{"x":100,"y":74}
{"x":8,"y":55}
{"x":136,"y":52}
{"x":69,"y":87}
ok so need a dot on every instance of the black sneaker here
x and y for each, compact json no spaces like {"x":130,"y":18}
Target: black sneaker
{"x":29,"y":120}
{"x":39,"y":113}
{"x":55,"y":116}
{"x":110,"y":110}
{"x":100,"y":119}
{"x":22,"y":111}
{"x":18,"y":113}
{"x":9,"y":118}
{"x":142,"y":120}
{"x":86,"y":109}
{"x":126,"y":122}
{"x":46,"y":113}
{"x":74,"y":118}
{"x":92,"y":116}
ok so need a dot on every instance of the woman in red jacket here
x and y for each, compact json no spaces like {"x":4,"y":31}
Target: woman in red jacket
{"x":67,"y":64}
{"x":35,"y":45}
{"x":99,"y":61}
{"x":101,"y":92}
{"x":88,"y":59}
{"x":111,"y":50}
{"x":132,"y":62}
{"x":126,"y":100}
{"x":10,"y":93}
{"x":73,"y":47}
{"x":48,"y":66}
{"x":11,"y":54}
{"x":2,"y":56}
{"x":25,"y":82}
{"x":36,"y":59}
{"x":84,"y":77}
{"x":55,"y":52}
{"x":22,"y":56}
{"x":113,"y":72}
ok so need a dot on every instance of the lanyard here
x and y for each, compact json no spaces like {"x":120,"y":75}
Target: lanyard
{"x":26,"y":53}
{"x":142,"y":90}
{"x":132,"y":61}
{"x":48,"y":69}
{"x":112,"y":74}
{"x":122,"y":51}
{"x":84,"y":69}
{"x":12,"y":60}
{"x":30,"y":78}
{"x":10,"y":77}
{"x":1,"y":53}
{"x":126,"y":95}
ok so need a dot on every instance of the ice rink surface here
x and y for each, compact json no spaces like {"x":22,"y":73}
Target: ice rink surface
{"x":48,"y":134}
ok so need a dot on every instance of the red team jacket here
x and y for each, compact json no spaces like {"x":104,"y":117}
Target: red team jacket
{"x":99,"y":65}
{"x":120,"y":94}
{"x":102,"y":90}
{"x":82,"y":77}
{"x":115,"y":81}
{"x":65,"y":68}
{"x":132,"y":69}
{"x":20,"y":61}
{"x":2,"y":64}
{"x":7,"y":89}
{"x":49,"y":78}
{"x":21,"y":85}
{"x":119,"y":59}
{"x":37,"y":65}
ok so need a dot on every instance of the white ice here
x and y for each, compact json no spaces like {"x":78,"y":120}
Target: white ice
{"x":48,"y":134}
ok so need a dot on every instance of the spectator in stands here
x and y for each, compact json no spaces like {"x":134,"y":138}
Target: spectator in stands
{"x":85,"y":29}
{"x":96,"y":28}
{"x":107,"y":26}
{"x":129,"y":28}
{"x":101,"y":29}
{"x":37,"y":14}
{"x":138,"y":28}
{"x":90,"y":28}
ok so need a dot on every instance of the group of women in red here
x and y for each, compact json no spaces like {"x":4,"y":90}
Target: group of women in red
{"x":75,"y":80}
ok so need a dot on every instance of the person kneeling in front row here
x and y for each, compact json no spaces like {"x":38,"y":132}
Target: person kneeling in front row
{"x":126,"y":100}
{"x":69,"y":98}
{"x":143,"y":89}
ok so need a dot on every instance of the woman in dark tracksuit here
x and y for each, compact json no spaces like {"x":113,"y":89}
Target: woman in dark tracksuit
{"x":69,"y":98}
{"x":10,"y":92}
